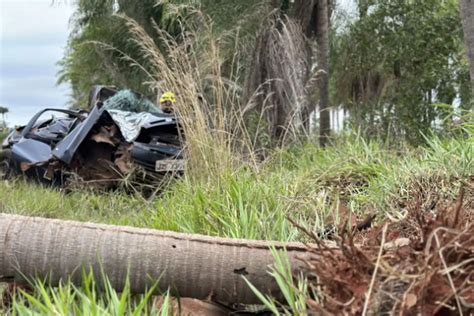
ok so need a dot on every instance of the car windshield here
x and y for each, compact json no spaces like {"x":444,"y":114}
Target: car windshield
{"x":127,"y":100}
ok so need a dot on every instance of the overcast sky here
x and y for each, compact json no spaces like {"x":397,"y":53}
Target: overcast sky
{"x":33,"y":35}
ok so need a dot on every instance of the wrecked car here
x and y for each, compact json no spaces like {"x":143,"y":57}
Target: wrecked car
{"x":120,"y":132}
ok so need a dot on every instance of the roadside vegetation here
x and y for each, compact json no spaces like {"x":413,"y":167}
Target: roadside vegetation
{"x":317,"y":188}
{"x":306,"y":183}
{"x":256,"y":167}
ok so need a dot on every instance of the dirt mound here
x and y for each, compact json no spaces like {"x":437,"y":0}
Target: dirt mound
{"x":422,"y":265}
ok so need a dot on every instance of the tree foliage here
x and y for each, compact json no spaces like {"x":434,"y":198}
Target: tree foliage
{"x":3,"y":111}
{"x":390,"y":67}
{"x":396,"y":62}
{"x":467,"y":14}
{"x":99,"y":50}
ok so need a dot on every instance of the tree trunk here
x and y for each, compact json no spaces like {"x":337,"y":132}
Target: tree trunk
{"x":467,"y":15}
{"x":191,"y":265}
{"x":279,"y":75}
{"x":314,"y":17}
{"x":322,"y":38}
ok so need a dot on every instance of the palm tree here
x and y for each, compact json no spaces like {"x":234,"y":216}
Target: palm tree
{"x":314,"y":16}
{"x":322,"y":38}
{"x":467,"y":15}
{"x":191,"y":265}
{"x":3,"y":111}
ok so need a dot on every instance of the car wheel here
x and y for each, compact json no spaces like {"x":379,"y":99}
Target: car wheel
{"x":6,"y":165}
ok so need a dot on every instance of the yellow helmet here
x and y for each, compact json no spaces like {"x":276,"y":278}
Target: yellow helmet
{"x":168,"y":96}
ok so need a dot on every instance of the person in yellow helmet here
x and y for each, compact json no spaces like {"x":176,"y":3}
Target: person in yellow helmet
{"x":167,"y":101}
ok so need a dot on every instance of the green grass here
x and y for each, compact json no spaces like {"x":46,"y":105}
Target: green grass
{"x":305,"y":183}
{"x":294,"y":289}
{"x":67,"y":299}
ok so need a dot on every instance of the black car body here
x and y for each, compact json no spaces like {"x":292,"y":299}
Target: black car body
{"x":93,"y":144}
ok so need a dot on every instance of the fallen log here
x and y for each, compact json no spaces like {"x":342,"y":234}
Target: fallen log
{"x":190,"y":265}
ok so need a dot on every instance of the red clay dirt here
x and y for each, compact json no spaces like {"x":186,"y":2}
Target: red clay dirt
{"x":421,"y":265}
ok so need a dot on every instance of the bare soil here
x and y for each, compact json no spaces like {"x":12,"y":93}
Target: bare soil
{"x":421,"y":265}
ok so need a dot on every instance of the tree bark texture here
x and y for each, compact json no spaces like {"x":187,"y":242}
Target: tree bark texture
{"x":322,"y":39}
{"x":314,"y":16}
{"x":190,"y":265}
{"x":280,"y":73}
{"x":467,"y":16}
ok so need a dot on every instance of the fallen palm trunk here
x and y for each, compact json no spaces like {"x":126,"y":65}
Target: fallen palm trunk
{"x":192,"y":265}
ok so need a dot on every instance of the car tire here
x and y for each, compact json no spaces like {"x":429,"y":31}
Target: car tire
{"x":6,"y":164}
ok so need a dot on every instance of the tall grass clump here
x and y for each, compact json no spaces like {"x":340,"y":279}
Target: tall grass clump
{"x":224,"y":191}
{"x":208,"y":104}
{"x":225,"y":109}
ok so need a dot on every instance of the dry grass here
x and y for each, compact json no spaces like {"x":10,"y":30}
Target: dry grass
{"x":223,"y":124}
{"x":280,"y":73}
{"x":207,"y":104}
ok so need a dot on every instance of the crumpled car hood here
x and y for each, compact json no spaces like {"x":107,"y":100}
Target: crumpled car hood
{"x":130,"y":124}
